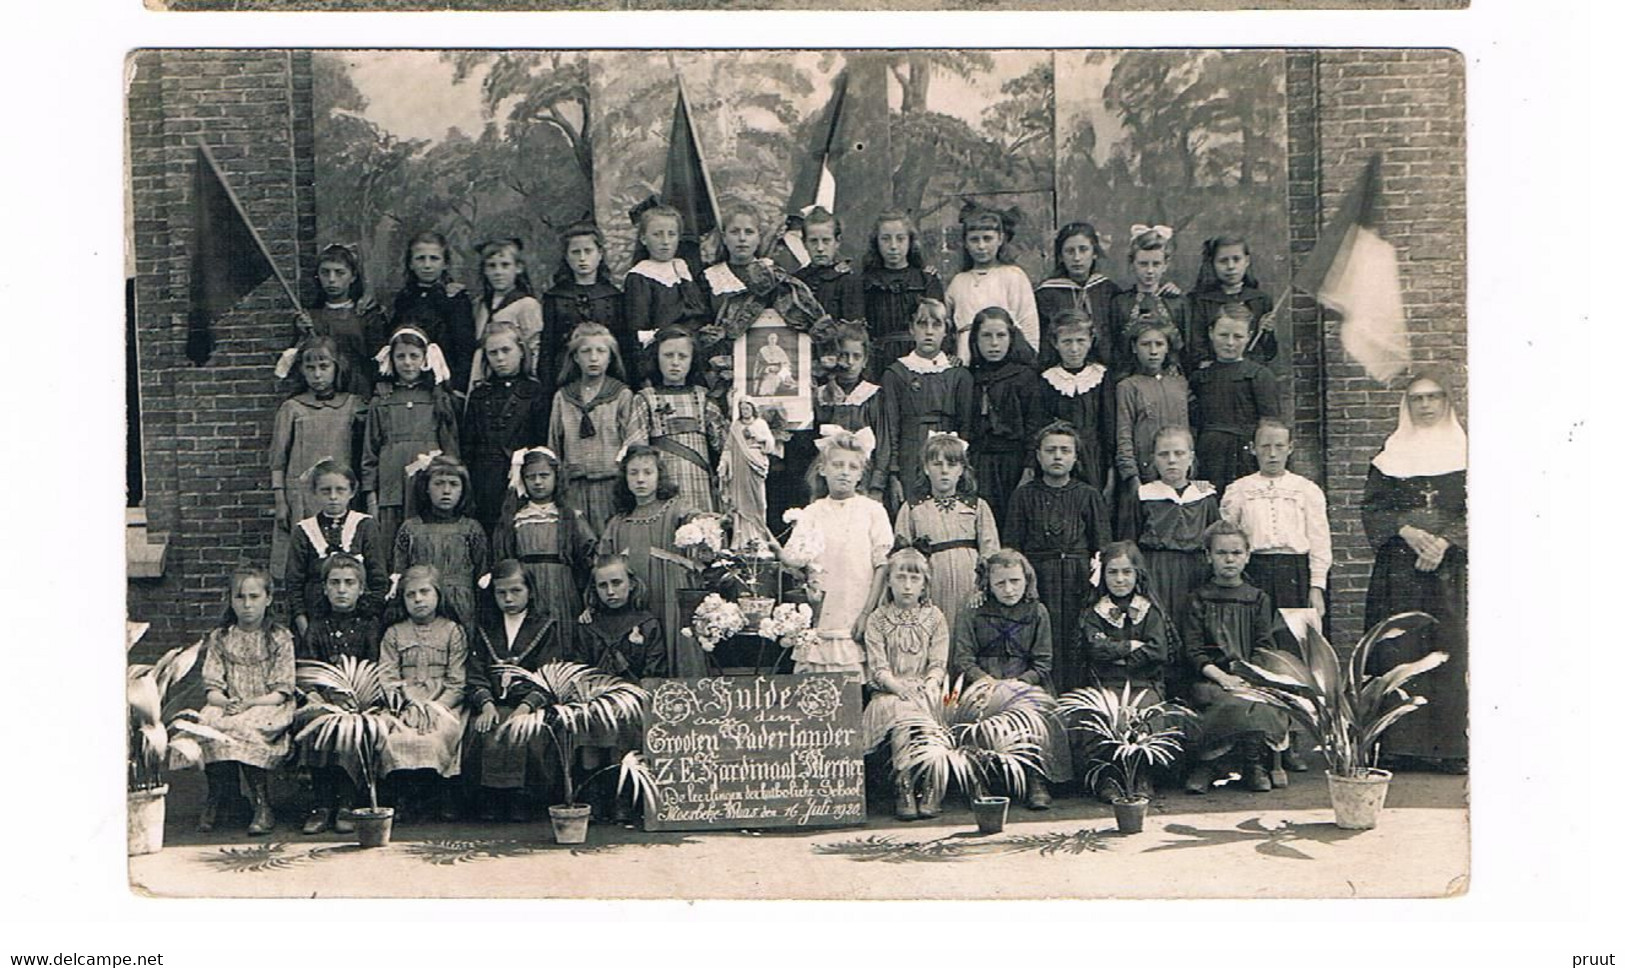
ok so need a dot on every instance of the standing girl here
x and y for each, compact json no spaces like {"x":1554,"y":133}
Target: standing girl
{"x":358,"y":332}
{"x":1225,"y":282}
{"x":924,"y":391}
{"x":834,"y":281}
{"x":319,"y":421}
{"x":741,"y":245}
{"x":248,"y":689}
{"x":516,"y":629}
{"x":645,"y":532}
{"x":442,"y":536}
{"x":1059,"y":520}
{"x":842,"y":538}
{"x":582,"y":293}
{"x":508,"y":298}
{"x":411,"y":414}
{"x":1007,"y":410}
{"x":1007,"y":636}
{"x":592,"y":413}
{"x":895,"y":281}
{"x":660,"y":288}
{"x":338,"y":628}
{"x":1075,"y":285}
{"x":905,"y":641}
{"x":848,"y":401}
{"x":1078,"y":391}
{"x":427,"y":653}
{"x":1229,"y":394}
{"x":507,"y":411}
{"x":987,"y":277}
{"x":334,"y":528}
{"x":549,"y":539}
{"x":435,"y":306}
{"x":1151,"y":300}
{"x":622,"y":638}
{"x":1154,"y":397}
{"x":952,"y":526}
{"x":1175,"y":512}
{"x":676,"y":417}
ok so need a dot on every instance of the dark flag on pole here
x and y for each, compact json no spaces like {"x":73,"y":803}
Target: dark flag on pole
{"x":815,"y":182}
{"x":228,"y":258}
{"x":1355,"y":272}
{"x":688,"y":184}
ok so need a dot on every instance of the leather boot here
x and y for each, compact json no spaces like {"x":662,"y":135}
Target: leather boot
{"x":1292,"y":761}
{"x":259,"y":793}
{"x":1277,"y":770}
{"x":218,"y":776}
{"x":1038,"y":797}
{"x":1198,"y":779}
{"x":907,"y":808}
{"x":1255,"y":776}
{"x":930,"y":802}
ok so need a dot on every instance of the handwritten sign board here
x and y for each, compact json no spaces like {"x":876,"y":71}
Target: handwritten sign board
{"x":755,"y":751}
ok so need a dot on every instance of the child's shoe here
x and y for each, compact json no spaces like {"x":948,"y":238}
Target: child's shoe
{"x":259,"y":792}
{"x":206,"y":819}
{"x":343,"y":823}
{"x":1038,"y":796}
{"x":319,"y":819}
{"x":488,"y":805}
{"x":930,"y":802}
{"x":518,"y":809}
{"x":1278,"y":778}
{"x":907,"y":807}
{"x":1199,"y":779}
{"x":1255,"y":778}
{"x":1292,"y":761}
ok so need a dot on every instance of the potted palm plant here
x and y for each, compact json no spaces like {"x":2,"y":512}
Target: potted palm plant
{"x":1129,"y":736}
{"x":1345,"y":709}
{"x":351,"y":711}
{"x":576,"y":701}
{"x":156,"y":745}
{"x":981,"y":737}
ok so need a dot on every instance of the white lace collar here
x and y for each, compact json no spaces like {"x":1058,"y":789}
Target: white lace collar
{"x":722,"y":280}
{"x":919,"y":364}
{"x":1161,"y":491}
{"x":668,"y":274}
{"x":1074,"y":384}
{"x":1138,"y":606}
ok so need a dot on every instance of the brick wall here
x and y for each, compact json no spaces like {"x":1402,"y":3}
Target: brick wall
{"x":205,"y":429}
{"x":1342,"y":107}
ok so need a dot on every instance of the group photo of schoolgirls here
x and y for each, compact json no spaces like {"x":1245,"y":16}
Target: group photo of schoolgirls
{"x":1084,"y":481}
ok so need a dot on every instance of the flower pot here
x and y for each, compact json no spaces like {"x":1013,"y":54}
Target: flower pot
{"x":146,"y":822}
{"x":1130,"y":813}
{"x":570,"y":822}
{"x":1357,"y":800}
{"x":756,"y":608}
{"x":990,"y":813}
{"x":373,"y":825}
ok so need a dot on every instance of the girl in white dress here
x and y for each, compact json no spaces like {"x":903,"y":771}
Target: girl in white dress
{"x":842,"y":539}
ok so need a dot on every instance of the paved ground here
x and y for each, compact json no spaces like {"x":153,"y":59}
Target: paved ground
{"x":1227,"y":844}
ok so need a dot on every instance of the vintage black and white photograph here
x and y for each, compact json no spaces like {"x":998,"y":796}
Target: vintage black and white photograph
{"x":888,"y":474}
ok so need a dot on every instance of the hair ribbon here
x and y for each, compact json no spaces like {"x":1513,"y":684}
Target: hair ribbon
{"x":516,"y":466}
{"x":830,"y":433}
{"x":1162,"y":232}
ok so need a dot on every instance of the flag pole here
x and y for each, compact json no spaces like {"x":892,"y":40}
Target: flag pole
{"x":237,"y":204}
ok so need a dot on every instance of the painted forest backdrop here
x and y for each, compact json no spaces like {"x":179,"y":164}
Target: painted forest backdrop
{"x":478,"y":144}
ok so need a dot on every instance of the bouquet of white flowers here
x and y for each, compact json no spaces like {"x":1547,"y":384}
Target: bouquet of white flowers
{"x":716,"y":619}
{"x":790,"y":624}
{"x":701,"y":537}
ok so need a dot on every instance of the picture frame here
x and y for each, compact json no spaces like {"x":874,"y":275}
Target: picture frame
{"x":772,"y":368}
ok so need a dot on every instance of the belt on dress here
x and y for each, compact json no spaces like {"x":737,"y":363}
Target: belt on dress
{"x":1058,"y":556}
{"x":541,"y":559}
{"x":939,"y":546}
{"x":668,"y":446}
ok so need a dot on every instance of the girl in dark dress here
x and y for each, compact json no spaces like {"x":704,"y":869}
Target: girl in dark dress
{"x":1150,"y":300}
{"x":1415,"y":515}
{"x":1228,"y":396}
{"x":895,"y":280}
{"x":1226,"y":281}
{"x":660,"y":287}
{"x":1228,"y":620}
{"x":1175,"y":513}
{"x":926,"y":390}
{"x":1006,"y":408}
{"x":507,"y":412}
{"x":583,"y":293}
{"x":346,"y":314}
{"x":1059,"y":521}
{"x":835,"y":282}
{"x":1075,"y":285}
{"x":1078,"y":390}
{"x":430,"y":301}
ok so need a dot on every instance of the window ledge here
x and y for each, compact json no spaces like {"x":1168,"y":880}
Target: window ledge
{"x":144,"y":551}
